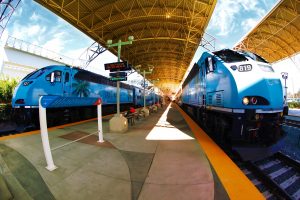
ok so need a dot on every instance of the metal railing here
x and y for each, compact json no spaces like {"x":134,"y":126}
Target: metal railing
{"x":40,"y":51}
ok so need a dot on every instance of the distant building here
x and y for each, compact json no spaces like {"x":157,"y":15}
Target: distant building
{"x":18,"y":58}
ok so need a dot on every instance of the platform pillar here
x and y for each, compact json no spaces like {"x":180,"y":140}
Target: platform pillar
{"x":44,"y":136}
{"x":118,"y":124}
{"x":100,"y":129}
{"x":146,"y":111}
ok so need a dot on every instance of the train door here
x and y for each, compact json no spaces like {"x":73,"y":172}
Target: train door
{"x":67,"y":82}
{"x":203,"y":83}
{"x":54,"y":82}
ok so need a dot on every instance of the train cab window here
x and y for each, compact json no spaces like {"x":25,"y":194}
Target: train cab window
{"x":35,"y":74}
{"x":210,"y":64}
{"x":253,"y":56}
{"x":54,"y":76}
{"x":67,"y":77}
{"x":230,"y":56}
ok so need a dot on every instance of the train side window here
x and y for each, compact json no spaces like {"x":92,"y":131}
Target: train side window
{"x":54,"y":76}
{"x":210,"y":64}
{"x":50,"y":77}
{"x":67,"y":77}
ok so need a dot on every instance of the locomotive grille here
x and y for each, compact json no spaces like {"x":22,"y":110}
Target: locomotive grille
{"x":209,"y":99}
{"x":219,"y":101}
{"x":20,"y":101}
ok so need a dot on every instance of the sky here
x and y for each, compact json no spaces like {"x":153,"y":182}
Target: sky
{"x":231,"y":20}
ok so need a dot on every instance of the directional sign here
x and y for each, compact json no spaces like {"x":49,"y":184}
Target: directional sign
{"x":118,"y":78}
{"x":117,"y":66}
{"x":118,"y":74}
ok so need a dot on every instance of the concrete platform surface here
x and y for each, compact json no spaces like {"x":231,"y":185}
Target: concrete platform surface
{"x":157,"y":158}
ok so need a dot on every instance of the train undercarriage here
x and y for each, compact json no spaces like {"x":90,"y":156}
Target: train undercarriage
{"x":28,"y":118}
{"x":252,"y":135}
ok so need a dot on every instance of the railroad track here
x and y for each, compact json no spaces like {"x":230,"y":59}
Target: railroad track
{"x":276,"y":177}
{"x":292,"y":122}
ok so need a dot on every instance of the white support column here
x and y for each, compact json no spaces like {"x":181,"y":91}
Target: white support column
{"x":118,"y":98}
{"x":144,"y":73}
{"x":44,"y":136}
{"x":100,"y":130}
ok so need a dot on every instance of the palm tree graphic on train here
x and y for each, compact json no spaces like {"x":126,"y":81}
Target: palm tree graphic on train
{"x":81,"y":88}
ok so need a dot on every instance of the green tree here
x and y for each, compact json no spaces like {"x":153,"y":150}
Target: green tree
{"x":81,"y":88}
{"x":7,"y":86}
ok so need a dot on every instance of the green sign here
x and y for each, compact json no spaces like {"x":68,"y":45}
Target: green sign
{"x":118,"y":78}
{"x":118,"y":74}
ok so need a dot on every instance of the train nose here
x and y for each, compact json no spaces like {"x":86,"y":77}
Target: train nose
{"x":273,"y":92}
{"x":255,"y":100}
{"x":20,"y":95}
{"x":267,"y":92}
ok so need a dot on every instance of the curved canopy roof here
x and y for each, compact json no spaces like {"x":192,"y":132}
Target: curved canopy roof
{"x":166,"y":33}
{"x":277,"y":36}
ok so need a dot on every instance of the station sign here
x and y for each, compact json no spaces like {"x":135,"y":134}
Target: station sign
{"x":117,"y":66}
{"x":118,"y":78}
{"x":117,"y":74}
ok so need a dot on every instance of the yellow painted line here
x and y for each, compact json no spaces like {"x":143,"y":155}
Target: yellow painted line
{"x":49,"y":129}
{"x":237,"y":185}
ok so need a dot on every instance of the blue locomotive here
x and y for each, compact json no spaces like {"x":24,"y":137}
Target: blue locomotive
{"x":236,"y":96}
{"x":74,"y":82}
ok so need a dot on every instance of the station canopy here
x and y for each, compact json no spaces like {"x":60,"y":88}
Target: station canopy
{"x":277,"y":36}
{"x":166,"y":33}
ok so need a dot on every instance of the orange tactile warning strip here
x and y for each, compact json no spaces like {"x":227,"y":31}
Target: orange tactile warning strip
{"x":92,"y":139}
{"x":236,"y":184}
{"x":49,"y":129}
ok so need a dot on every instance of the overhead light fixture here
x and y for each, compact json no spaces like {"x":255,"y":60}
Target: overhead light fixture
{"x":109,"y":42}
{"x":130,"y":38}
{"x":150,"y":67}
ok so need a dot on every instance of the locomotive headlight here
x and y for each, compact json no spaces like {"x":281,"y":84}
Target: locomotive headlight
{"x":245,"y":101}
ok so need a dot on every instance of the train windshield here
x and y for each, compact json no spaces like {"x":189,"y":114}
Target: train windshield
{"x":254,"y":56}
{"x":230,"y":56}
{"x":35,"y":74}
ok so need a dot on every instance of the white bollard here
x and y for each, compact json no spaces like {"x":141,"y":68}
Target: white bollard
{"x":45,"y":139}
{"x":100,"y":130}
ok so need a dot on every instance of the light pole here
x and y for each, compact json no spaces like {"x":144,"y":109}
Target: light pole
{"x":119,"y":45}
{"x":144,"y":74}
{"x":119,"y":123}
{"x":285,"y":106}
{"x":153,"y":82}
{"x":285,"y":76}
{"x":149,"y":71}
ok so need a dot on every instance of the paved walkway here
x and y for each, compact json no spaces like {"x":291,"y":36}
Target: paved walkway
{"x":158,"y":158}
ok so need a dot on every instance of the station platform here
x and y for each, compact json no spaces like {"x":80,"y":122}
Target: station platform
{"x":294,"y":112}
{"x":164,"y":156}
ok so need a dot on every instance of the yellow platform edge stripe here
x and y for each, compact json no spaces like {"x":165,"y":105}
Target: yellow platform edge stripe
{"x":235,"y":182}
